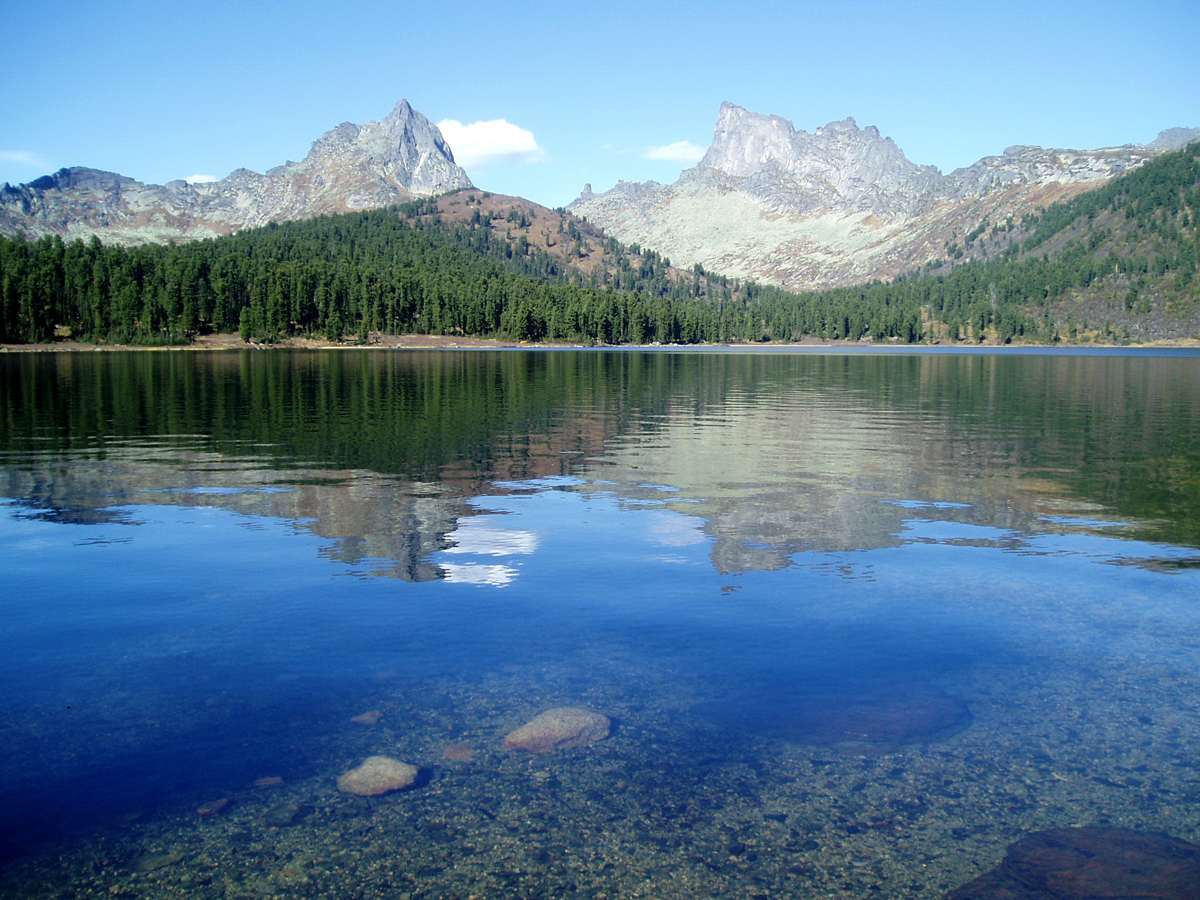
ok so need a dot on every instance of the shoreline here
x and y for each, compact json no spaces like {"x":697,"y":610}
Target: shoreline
{"x":218,"y":342}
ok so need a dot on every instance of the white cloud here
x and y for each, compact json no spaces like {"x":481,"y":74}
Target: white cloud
{"x":24,"y":158}
{"x":201,"y":179}
{"x":683,"y":152}
{"x":486,"y":143}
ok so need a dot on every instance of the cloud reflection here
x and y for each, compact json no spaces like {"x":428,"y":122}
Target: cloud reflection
{"x":480,"y":537}
{"x":475,"y":573}
{"x":484,"y":539}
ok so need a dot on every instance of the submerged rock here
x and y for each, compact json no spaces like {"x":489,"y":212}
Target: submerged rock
{"x":285,"y":814}
{"x":1093,"y":863}
{"x":559,"y":729}
{"x":378,"y":775}
{"x":460,"y":752}
{"x":152,"y":862}
{"x":895,"y":717}
{"x":883,"y":716}
{"x":368,"y":718}
{"x":213,"y":807}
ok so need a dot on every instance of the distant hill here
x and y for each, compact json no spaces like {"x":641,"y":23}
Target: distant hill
{"x":840,"y":206}
{"x":352,"y":167}
{"x":552,"y":244}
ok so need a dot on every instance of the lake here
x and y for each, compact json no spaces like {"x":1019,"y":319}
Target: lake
{"x":858,"y":621}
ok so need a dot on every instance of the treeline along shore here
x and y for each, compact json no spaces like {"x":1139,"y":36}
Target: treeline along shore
{"x":1113,"y":265}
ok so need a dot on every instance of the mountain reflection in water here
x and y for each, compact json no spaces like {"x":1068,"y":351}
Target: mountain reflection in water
{"x":861,"y":620}
{"x":776,"y":454}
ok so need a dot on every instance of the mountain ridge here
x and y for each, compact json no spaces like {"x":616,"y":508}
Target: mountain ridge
{"x":395,"y":159}
{"x":840,"y":206}
{"x":1113,"y":265}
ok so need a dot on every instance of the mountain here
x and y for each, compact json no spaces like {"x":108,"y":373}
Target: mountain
{"x":351,"y":167}
{"x":840,"y":206}
{"x":1116,"y":264}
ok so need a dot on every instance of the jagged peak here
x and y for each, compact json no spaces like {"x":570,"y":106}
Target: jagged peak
{"x":745,"y":143}
{"x":401,"y":110}
{"x":349,"y":167}
{"x":81,"y":177}
{"x":733,"y":112}
{"x":404,"y":145}
{"x":847,"y":124}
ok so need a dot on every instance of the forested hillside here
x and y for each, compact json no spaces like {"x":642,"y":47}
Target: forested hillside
{"x":1120,"y":261}
{"x":1116,"y":264}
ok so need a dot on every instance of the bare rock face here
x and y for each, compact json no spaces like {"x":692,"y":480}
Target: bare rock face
{"x":839,"y":206}
{"x":378,"y":775}
{"x":351,"y":167}
{"x":559,"y":729}
{"x":1091,"y":864}
{"x":839,"y":167}
{"x":1174,"y":139}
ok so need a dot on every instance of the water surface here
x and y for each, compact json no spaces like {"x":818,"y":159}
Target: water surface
{"x":861,"y":620}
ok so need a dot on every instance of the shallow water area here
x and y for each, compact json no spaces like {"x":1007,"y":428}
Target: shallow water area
{"x":859,"y":622}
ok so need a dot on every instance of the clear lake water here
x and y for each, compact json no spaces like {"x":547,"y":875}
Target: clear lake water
{"x":859,"y":620}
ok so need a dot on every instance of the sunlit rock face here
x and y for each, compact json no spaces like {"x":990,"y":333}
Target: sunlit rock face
{"x":351,"y":167}
{"x":840,"y":167}
{"x":839,"y":206}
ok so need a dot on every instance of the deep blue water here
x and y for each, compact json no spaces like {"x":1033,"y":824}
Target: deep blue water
{"x":860,"y":621}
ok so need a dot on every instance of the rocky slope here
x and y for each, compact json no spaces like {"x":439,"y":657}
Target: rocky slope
{"x":351,"y":167}
{"x":840,"y":206}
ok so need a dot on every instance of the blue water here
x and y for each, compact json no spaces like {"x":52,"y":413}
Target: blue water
{"x":858,"y":629}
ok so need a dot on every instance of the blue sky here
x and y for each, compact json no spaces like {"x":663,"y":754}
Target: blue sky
{"x":164,"y":90}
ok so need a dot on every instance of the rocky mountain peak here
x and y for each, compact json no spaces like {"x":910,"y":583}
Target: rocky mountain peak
{"x":744,"y":142}
{"x":839,"y":166}
{"x":350,"y":167}
{"x":1174,"y":139}
{"x":404,"y":146}
{"x":847,"y":126}
{"x":842,"y":204}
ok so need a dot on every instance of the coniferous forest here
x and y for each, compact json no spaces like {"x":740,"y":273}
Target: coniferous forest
{"x":1084,"y":269}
